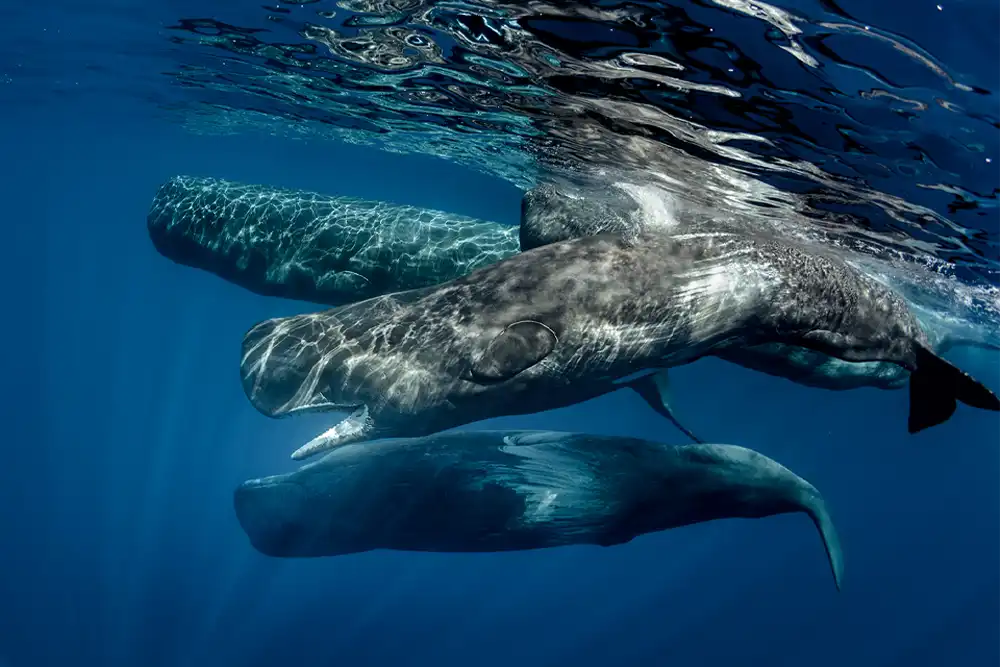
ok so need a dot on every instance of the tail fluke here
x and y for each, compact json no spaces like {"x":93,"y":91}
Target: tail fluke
{"x":763,"y":487}
{"x":815,"y":507}
{"x":655,"y":390}
{"x":935,"y":388}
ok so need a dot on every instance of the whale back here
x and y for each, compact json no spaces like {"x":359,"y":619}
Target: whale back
{"x":513,"y":490}
{"x":456,"y":492}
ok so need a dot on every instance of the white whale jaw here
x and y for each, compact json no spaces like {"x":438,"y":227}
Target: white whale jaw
{"x":357,"y":426}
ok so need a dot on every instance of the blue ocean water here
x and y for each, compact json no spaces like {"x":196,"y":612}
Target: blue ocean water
{"x":127,"y":431}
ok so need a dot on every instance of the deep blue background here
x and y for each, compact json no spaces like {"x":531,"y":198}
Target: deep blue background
{"x":126,"y":430}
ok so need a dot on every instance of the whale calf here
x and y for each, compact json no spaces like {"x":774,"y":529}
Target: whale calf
{"x":550,"y":214}
{"x":488,"y":491}
{"x":310,"y":247}
{"x":572,"y":320}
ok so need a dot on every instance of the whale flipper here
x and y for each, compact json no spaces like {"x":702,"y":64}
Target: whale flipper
{"x":655,"y":390}
{"x":935,"y":387}
{"x":518,"y":347}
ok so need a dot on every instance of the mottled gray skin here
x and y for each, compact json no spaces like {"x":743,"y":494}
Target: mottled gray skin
{"x":338,"y":250}
{"x":302,"y":245}
{"x":561,"y":324}
{"x":815,"y":369}
{"x":488,"y":491}
{"x":550,"y":215}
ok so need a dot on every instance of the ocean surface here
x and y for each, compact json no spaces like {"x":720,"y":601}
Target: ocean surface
{"x":866,"y":129}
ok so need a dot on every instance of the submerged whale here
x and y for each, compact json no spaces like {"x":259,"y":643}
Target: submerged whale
{"x":572,"y":320}
{"x":550,"y":215}
{"x":307,"y":246}
{"x":486,"y":491}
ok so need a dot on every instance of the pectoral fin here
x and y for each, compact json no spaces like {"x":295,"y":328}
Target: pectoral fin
{"x":655,"y":390}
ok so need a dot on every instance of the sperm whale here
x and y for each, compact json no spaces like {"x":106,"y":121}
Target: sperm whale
{"x":572,"y":320}
{"x":484,"y":491}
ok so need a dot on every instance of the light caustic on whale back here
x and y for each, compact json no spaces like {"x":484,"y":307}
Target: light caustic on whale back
{"x":336,"y":250}
{"x":482,"y":491}
{"x":303,"y":245}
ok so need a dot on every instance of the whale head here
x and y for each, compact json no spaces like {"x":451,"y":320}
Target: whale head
{"x":361,"y":359}
{"x":400,"y":366}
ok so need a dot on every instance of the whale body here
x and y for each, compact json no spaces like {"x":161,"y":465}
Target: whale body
{"x":570,"y":321}
{"x":489,"y":491}
{"x":311,"y":247}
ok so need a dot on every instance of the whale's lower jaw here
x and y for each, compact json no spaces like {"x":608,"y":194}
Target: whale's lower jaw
{"x":357,"y":426}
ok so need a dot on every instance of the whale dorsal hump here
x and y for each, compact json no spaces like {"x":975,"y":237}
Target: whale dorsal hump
{"x":518,"y":347}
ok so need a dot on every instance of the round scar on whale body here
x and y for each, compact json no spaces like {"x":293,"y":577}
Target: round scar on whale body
{"x":518,"y":347}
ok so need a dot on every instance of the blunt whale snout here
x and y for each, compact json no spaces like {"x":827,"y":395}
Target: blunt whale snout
{"x":270,"y":512}
{"x":281,"y":368}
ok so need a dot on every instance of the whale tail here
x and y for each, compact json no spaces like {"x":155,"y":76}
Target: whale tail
{"x":813,"y":504}
{"x":936,"y":386}
{"x":756,"y":486}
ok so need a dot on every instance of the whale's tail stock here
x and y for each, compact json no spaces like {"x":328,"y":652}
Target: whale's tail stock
{"x":936,"y":386}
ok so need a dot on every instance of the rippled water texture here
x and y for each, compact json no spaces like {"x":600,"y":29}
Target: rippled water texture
{"x":872,"y":127}
{"x":813,"y":114}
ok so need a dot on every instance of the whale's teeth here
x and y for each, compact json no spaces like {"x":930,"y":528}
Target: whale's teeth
{"x":352,"y":429}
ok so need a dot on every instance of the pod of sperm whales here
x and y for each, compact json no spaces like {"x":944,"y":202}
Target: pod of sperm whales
{"x":488,"y":491}
{"x":306,"y":246}
{"x":572,"y":320}
{"x":328,"y":250}
{"x":337,"y":250}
